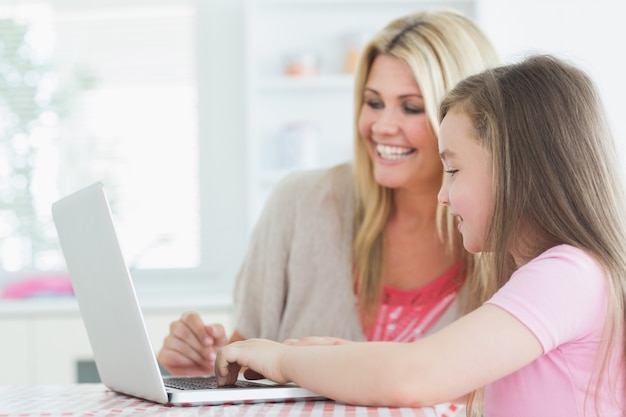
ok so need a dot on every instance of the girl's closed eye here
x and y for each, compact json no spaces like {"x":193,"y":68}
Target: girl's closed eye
{"x":451,"y":171}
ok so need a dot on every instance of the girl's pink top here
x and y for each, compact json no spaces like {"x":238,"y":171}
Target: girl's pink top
{"x":561,"y":296}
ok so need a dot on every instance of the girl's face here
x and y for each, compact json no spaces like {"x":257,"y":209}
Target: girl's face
{"x":468,"y":184}
{"x":395,"y":129}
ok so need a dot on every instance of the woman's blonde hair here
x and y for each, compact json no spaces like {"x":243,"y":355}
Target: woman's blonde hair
{"x":441,"y":48}
{"x":555,"y":172}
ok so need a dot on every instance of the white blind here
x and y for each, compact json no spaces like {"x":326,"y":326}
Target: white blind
{"x":105,"y":91}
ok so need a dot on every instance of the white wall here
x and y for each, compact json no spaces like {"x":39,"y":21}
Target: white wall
{"x":221,"y":108}
{"x":589,"y":33}
{"x":580,"y":30}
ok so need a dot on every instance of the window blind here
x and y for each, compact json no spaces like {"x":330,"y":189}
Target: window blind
{"x":99,"y":91}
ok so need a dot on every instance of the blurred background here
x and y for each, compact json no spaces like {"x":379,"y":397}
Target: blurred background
{"x":189,"y":112}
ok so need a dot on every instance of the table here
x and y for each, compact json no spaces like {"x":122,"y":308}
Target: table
{"x":95,"y":400}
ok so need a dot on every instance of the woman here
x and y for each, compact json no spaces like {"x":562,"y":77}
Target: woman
{"x":361,"y":251}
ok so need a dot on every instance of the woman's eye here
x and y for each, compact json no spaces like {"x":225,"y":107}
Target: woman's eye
{"x":374,"y":104}
{"x":451,"y":171}
{"x":413,"y":110}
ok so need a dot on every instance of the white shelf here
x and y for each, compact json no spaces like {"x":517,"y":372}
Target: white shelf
{"x":304,"y":83}
{"x":331,"y":3}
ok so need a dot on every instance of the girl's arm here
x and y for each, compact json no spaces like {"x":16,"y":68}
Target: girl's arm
{"x":477,"y":349}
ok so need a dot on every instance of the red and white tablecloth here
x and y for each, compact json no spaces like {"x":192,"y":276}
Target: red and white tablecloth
{"x":95,"y":400}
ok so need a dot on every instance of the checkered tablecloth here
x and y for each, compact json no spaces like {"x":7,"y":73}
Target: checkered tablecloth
{"x":95,"y":400}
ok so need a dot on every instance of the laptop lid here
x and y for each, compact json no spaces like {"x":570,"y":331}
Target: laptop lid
{"x":112,"y":315}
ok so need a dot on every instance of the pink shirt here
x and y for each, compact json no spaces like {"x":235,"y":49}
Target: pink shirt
{"x":561,"y":296}
{"x":407,"y":315}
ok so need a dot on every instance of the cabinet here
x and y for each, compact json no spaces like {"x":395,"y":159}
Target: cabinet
{"x":62,"y":344}
{"x":49,"y":348}
{"x":298,"y":83}
{"x":16,"y":352}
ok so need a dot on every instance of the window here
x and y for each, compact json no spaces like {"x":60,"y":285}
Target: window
{"x":100,"y":91}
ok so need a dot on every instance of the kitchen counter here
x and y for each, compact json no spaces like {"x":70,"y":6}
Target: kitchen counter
{"x":67,"y":305}
{"x":155,"y":296}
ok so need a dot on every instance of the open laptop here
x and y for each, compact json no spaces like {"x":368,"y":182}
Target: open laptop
{"x":114,"y":321}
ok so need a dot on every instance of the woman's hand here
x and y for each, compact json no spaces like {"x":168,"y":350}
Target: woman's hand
{"x":261,"y":357}
{"x":191,"y":346}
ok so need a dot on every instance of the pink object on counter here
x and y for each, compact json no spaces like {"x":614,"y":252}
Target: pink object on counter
{"x":39,"y":286}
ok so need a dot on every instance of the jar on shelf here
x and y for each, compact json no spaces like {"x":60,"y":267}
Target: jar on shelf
{"x":353,"y":46}
{"x":303,"y":63}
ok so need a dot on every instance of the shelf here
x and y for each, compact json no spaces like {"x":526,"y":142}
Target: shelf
{"x":278,"y":83}
{"x":298,"y":3}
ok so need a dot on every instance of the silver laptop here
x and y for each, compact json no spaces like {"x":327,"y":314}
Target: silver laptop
{"x":112,"y":316}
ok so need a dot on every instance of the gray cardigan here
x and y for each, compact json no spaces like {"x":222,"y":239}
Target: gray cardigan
{"x":296,"y":279}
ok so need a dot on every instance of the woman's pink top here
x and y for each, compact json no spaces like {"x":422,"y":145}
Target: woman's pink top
{"x":405,"y":316}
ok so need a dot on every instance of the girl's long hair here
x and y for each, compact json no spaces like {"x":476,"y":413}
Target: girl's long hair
{"x":555,"y":173}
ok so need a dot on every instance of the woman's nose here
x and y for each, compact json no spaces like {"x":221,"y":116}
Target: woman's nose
{"x":386,"y":124}
{"x":385,"y":128}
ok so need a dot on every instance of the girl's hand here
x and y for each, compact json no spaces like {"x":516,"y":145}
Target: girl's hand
{"x":303,"y":341}
{"x":261,"y":357}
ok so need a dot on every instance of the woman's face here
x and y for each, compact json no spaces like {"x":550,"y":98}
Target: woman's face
{"x":468,"y":184}
{"x":395,"y":129}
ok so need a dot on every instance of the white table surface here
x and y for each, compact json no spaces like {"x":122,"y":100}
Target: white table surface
{"x":95,"y":400}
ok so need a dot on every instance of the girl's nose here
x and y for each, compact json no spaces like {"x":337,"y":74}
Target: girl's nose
{"x":442,"y":196}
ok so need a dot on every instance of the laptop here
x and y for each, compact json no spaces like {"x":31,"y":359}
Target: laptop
{"x":114,"y":322}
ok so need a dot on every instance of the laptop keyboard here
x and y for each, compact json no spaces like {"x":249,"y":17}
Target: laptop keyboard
{"x":202,"y":382}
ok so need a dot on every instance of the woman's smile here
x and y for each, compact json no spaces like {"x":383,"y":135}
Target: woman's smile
{"x":393,"y":153}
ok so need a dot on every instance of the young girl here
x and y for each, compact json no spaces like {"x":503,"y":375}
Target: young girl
{"x":532,"y":176}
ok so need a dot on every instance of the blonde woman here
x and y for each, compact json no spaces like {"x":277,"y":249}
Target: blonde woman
{"x":361,"y":251}
{"x":532,"y":176}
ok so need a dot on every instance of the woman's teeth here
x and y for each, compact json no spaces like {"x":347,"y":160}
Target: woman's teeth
{"x":393,"y":152}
